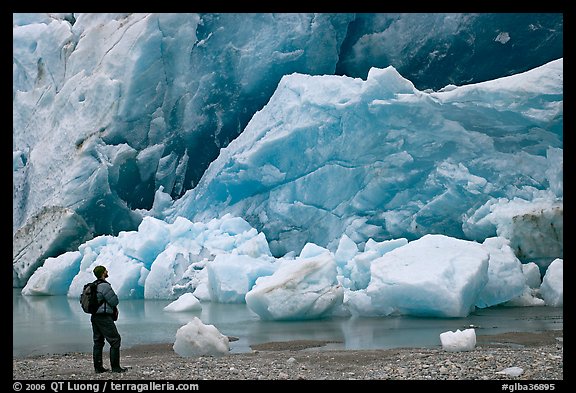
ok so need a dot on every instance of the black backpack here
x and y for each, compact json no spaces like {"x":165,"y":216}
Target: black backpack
{"x":88,"y":298}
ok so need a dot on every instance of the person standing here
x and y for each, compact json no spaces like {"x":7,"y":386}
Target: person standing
{"x":103,"y":324}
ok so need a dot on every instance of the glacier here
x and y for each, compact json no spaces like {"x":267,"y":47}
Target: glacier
{"x":380,"y":159}
{"x":228,"y":261}
{"x":192,"y":153}
{"x":117,"y":115}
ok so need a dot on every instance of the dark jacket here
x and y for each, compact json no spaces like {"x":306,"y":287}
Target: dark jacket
{"x":106,"y":292}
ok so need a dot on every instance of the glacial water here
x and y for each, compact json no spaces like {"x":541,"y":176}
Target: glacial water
{"x":56,"y":324}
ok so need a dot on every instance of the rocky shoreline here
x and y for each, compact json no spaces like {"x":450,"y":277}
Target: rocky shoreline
{"x":511,"y":356}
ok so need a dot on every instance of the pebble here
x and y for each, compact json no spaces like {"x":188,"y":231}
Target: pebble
{"x":482,"y":363}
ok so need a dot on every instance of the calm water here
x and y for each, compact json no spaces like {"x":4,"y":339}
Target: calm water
{"x":57,"y":324}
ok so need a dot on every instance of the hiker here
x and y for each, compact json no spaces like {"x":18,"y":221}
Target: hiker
{"x":103,"y":325}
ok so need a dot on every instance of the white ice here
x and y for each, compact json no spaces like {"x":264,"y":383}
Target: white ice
{"x":227,"y":261}
{"x":197,"y":339}
{"x":459,"y":340}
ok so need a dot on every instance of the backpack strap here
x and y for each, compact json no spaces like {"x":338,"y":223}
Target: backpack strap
{"x":99,"y":281}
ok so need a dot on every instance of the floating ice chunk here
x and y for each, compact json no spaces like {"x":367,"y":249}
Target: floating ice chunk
{"x":304,"y":288}
{"x":552,"y":288}
{"x":186,"y":302}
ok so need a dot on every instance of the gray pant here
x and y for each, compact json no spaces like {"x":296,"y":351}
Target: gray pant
{"x":103,"y":327}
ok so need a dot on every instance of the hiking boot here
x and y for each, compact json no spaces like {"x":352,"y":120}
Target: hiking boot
{"x":115,"y":360}
{"x":97,"y":356}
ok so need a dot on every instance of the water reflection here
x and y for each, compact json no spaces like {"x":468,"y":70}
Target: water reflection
{"x":57,"y":324}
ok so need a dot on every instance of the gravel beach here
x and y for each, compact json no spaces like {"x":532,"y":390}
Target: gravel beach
{"x":510,"y":356}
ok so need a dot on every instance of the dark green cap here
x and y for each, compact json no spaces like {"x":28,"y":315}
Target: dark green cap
{"x":99,"y":270}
